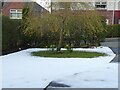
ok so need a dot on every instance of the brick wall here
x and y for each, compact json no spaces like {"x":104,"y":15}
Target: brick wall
{"x":109,"y":15}
{"x":117,"y":16}
{"x":11,"y":5}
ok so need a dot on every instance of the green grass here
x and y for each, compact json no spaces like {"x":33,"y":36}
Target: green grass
{"x":66,"y":54}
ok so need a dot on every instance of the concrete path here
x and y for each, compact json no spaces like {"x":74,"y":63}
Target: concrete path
{"x":53,"y":85}
{"x":116,"y":59}
{"x":114,"y":44}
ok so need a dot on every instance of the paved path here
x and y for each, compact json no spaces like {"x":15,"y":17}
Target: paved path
{"x":114,"y":44}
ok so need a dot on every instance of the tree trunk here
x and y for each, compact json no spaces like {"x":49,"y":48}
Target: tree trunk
{"x":60,"y":41}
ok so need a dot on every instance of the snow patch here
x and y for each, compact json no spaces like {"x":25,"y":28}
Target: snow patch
{"x":21,"y":70}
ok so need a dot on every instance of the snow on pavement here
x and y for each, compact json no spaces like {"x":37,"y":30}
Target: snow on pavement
{"x":21,"y":70}
{"x":0,"y":74}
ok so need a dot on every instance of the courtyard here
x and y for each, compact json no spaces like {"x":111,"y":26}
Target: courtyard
{"x":21,"y":70}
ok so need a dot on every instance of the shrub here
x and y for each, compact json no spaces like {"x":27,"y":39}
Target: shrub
{"x":52,"y":47}
{"x":69,"y":47}
{"x":65,"y":27}
{"x":113,"y":31}
{"x":10,"y":33}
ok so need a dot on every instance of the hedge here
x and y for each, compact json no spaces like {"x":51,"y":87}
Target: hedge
{"x":113,"y":31}
{"x":10,"y":34}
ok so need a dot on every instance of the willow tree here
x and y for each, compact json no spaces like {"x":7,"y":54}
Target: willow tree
{"x":70,"y":23}
{"x":63,"y":19}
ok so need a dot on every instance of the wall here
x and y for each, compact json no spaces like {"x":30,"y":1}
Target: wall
{"x":11,"y":5}
{"x":117,"y":16}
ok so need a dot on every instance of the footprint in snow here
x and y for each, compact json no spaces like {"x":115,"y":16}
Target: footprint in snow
{"x":44,"y":79}
{"x":86,"y":80}
{"x":77,"y":73}
{"x":108,"y":67}
{"x":11,"y":85}
{"x":102,"y":80}
{"x":27,"y":81}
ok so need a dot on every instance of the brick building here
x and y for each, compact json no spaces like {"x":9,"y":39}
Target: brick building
{"x":110,"y":9}
{"x":14,"y":9}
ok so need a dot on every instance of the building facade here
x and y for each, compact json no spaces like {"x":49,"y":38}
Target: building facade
{"x":110,"y":9}
{"x":14,"y":9}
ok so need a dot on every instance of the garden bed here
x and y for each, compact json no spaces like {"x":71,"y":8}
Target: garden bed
{"x":67,"y":54}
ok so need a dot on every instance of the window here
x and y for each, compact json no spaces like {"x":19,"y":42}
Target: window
{"x":107,"y":21}
{"x":119,"y":5}
{"x":101,"y":5}
{"x":97,"y":2}
{"x":61,"y":5}
{"x":104,"y":3}
{"x":15,"y":13}
{"x":118,"y":21}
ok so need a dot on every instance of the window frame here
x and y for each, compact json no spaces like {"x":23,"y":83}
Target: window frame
{"x":119,"y":21}
{"x":101,"y":5}
{"x":107,"y":21}
{"x":16,"y":12}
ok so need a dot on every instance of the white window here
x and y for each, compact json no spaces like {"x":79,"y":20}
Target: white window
{"x":97,"y":3}
{"x":15,"y":13}
{"x":61,"y":5}
{"x":107,"y":21}
{"x":104,"y":3}
{"x":118,"y":21}
{"x":100,"y":5}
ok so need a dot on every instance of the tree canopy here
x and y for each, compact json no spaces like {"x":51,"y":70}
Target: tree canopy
{"x":66,"y":27}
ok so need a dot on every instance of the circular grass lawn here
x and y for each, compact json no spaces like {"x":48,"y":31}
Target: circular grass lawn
{"x":67,"y":54}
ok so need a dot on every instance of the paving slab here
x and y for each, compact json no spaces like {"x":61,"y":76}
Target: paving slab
{"x":114,"y":44}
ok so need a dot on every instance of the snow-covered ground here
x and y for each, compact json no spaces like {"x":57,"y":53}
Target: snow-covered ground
{"x":0,"y":74}
{"x":21,"y":70}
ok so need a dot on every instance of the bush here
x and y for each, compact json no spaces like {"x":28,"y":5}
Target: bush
{"x":10,"y":34}
{"x":113,"y":31}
